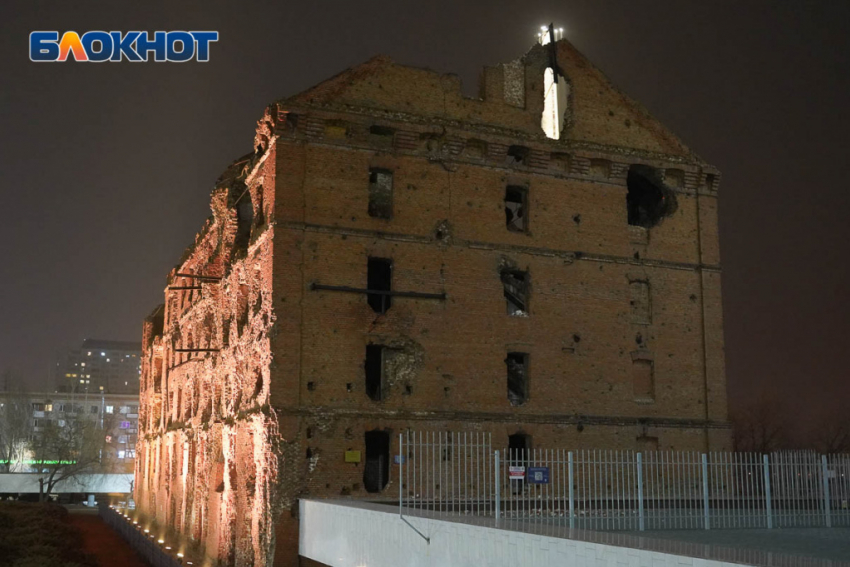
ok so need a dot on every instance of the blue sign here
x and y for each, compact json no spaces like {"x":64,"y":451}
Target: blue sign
{"x":398,"y":459}
{"x":538,"y":475}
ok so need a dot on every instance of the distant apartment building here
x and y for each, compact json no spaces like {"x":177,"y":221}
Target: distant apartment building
{"x":116,"y":414}
{"x":100,"y":367}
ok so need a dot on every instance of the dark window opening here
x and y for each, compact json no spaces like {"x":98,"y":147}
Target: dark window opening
{"x":517,"y":155}
{"x":376,"y":471}
{"x":516,"y":208}
{"x":517,"y":369}
{"x":244,"y":221}
{"x":374,"y":366}
{"x":379,"y":277}
{"x":515,"y":285}
{"x":381,"y":135}
{"x":380,"y":193}
{"x":648,"y":200}
{"x":291,"y":121}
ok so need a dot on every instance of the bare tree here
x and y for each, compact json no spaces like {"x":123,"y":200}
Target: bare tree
{"x":831,"y":433}
{"x":760,"y":426}
{"x":64,"y":449}
{"x":15,"y":430}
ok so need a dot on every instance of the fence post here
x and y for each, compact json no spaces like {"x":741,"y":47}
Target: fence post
{"x":768,"y":504}
{"x":498,"y":479}
{"x":705,"y":491}
{"x":826,"y":509}
{"x":641,"y":526}
{"x":572,"y":491}
{"x":400,"y":465}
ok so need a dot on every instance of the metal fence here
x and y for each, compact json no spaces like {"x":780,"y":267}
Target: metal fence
{"x":460,"y":473}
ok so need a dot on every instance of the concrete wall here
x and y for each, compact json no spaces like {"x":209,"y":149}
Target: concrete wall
{"x":341,"y":535}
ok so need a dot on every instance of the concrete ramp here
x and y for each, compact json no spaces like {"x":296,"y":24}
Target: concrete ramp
{"x":359,"y":534}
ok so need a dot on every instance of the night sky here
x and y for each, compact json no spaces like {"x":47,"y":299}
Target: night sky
{"x":107,"y":168}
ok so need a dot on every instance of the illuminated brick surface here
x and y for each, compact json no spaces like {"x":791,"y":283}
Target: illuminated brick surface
{"x":231,"y":437}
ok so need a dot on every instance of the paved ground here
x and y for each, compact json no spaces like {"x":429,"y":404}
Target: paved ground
{"x":103,"y":542}
{"x":821,"y":543}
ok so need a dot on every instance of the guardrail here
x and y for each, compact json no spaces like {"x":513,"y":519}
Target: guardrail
{"x":460,"y":473}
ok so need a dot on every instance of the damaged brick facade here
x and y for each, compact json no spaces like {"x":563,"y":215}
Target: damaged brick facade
{"x":395,"y":255}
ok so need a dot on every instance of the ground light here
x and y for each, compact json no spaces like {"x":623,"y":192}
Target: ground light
{"x":179,"y":555}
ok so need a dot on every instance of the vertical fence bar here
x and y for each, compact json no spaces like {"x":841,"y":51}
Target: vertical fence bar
{"x":570,"y":478}
{"x":641,"y":525}
{"x":705,"y":512}
{"x":498,"y":494}
{"x":767,"y":502}
{"x":826,"y":509}
{"x":400,"y":471}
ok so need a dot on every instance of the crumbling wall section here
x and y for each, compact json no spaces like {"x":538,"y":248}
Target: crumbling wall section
{"x":209,"y":448}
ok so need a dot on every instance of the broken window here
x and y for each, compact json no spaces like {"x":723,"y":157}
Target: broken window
{"x":374,"y":366}
{"x":376,"y":472}
{"x":517,"y":369}
{"x":648,"y":200}
{"x":515,"y":285}
{"x":517,"y":155}
{"x":380,"y":193}
{"x":516,"y":208}
{"x":640,"y":302}
{"x":643,"y":379}
{"x":381,"y":135}
{"x":379,"y":279}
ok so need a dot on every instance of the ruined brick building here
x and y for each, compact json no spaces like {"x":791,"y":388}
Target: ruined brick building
{"x":540,"y":262}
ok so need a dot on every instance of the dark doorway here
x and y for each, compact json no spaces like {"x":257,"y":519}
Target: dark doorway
{"x":376,"y":472}
{"x":519,"y":447}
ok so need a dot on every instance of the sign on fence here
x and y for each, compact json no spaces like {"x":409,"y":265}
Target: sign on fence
{"x":538,"y":475}
{"x":516,"y":473}
{"x":398,"y":459}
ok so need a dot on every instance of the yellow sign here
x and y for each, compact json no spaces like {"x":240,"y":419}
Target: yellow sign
{"x":352,"y":456}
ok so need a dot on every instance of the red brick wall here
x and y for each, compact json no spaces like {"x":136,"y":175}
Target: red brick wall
{"x":267,"y":417}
